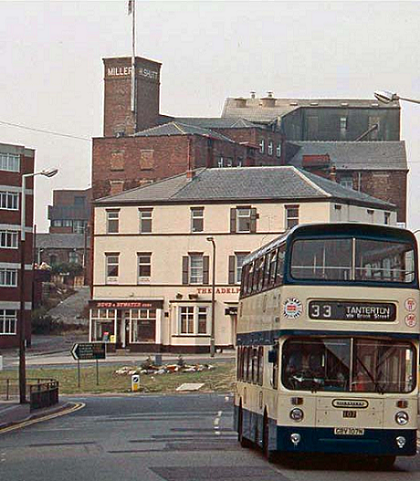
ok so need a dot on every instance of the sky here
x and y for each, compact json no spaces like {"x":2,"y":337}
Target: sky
{"x":52,"y":74}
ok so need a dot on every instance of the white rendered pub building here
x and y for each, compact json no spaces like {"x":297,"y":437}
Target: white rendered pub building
{"x":153,"y":260}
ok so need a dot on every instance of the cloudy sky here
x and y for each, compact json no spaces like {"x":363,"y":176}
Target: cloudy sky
{"x":52,"y":76}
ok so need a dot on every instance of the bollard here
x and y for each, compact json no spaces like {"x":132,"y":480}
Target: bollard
{"x":158,"y":359}
{"x":135,"y":382}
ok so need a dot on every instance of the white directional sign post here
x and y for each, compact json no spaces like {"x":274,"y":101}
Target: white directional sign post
{"x":88,"y":351}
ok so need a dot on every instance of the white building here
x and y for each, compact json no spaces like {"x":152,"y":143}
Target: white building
{"x":153,"y":261}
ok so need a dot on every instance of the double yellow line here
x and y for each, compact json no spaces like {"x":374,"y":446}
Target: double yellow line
{"x":47,"y":417}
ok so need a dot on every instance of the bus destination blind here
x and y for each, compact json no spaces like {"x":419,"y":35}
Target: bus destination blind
{"x":352,"y":311}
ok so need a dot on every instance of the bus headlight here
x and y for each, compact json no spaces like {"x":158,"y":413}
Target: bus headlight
{"x":401,"y":418}
{"x":296,"y":414}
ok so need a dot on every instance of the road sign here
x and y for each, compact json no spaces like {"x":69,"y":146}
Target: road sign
{"x":135,"y":382}
{"x":89,"y":351}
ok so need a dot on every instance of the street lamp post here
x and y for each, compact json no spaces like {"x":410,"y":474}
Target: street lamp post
{"x":22,"y":363}
{"x":213,"y":293}
{"x":387,"y":97}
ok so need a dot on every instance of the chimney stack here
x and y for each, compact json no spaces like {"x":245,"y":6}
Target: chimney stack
{"x":240,"y":102}
{"x":252,"y":94}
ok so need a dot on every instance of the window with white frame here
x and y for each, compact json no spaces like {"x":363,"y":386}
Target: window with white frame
{"x":243,"y":220}
{"x":143,"y":325}
{"x":9,"y":200}
{"x":79,"y":226}
{"x":8,"y":277}
{"x":347,"y":181}
{"x":112,"y":221}
{"x":145,"y":221}
{"x":292,"y":216}
{"x":144,"y":260}
{"x":193,"y":320}
{"x":112,"y":267}
{"x":239,"y":262}
{"x":197,"y":219}
{"x":103,"y":324}
{"x":9,"y":239}
{"x":262,"y":146}
{"x":270,"y":148}
{"x":9,"y":162}
{"x":196,"y":268}
{"x":343,"y":123}
{"x":8,"y":321}
{"x":278,"y":150}
{"x":73,"y":257}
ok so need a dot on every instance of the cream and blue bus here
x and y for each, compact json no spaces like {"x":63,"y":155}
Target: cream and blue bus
{"x":328,"y":343}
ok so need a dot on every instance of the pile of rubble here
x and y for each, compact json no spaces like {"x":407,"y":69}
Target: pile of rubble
{"x":148,"y":367}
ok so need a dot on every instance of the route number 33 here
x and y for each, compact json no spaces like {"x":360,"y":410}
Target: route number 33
{"x":320,"y":311}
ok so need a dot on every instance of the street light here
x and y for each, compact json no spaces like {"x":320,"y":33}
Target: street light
{"x":213,"y":292}
{"x":22,"y":367}
{"x":387,"y":97}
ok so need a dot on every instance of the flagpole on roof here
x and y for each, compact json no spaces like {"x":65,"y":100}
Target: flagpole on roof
{"x":132,"y":11}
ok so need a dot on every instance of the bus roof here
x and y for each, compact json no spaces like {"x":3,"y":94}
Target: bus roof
{"x":339,"y":229}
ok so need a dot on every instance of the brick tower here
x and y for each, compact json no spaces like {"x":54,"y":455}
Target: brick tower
{"x":118,"y":118}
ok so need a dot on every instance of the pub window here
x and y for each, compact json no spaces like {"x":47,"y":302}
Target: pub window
{"x":270,"y":148}
{"x":262,"y":146}
{"x":292,"y":216}
{"x":278,"y":150}
{"x":145,"y":221}
{"x":197,"y":219}
{"x":112,"y":221}
{"x":112,"y":268}
{"x":144,"y":260}
{"x":196,"y":268}
{"x":187,"y":320}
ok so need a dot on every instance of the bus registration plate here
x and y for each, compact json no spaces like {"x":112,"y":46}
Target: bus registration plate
{"x":349,"y":431}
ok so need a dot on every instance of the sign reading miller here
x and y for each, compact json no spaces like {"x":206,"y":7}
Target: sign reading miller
{"x":126,"y":71}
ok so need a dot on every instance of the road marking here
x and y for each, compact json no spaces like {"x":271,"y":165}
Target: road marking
{"x":216,"y":423}
{"x":30,"y":422}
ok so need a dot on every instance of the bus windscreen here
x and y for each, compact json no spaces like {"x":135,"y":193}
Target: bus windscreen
{"x":348,"y":365}
{"x":353,"y":259}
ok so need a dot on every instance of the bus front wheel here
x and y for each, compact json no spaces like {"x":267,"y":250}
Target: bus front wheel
{"x":269,"y":455}
{"x":385,"y":462}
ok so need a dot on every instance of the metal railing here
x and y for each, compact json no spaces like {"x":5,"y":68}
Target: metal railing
{"x":42,"y":392}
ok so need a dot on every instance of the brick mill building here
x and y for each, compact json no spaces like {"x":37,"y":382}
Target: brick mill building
{"x":15,"y":161}
{"x":144,"y":146}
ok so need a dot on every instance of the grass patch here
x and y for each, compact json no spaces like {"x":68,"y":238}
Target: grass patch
{"x":220,"y":379}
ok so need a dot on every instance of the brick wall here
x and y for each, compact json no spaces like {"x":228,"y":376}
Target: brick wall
{"x":390,"y":186}
{"x":127,"y":162}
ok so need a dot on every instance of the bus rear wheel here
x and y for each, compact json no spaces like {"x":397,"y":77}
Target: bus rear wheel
{"x":244,"y":442}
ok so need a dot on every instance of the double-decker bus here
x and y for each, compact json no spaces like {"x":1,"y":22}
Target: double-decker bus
{"x":328,"y":343}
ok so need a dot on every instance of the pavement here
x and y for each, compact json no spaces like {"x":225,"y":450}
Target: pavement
{"x":14,"y":415}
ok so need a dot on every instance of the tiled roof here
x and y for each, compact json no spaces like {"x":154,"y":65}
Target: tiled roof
{"x":218,"y":122}
{"x":179,"y":128}
{"x":242,"y":184}
{"x":355,"y":155}
{"x":255,"y":112}
{"x":60,"y":241}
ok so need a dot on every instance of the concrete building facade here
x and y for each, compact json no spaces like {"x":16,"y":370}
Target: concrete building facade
{"x":14,"y":162}
{"x":152,"y":275}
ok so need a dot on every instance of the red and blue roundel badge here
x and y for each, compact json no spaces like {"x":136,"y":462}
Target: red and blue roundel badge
{"x":292,"y":308}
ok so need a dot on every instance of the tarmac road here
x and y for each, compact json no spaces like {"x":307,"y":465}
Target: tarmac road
{"x":160,"y":438}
